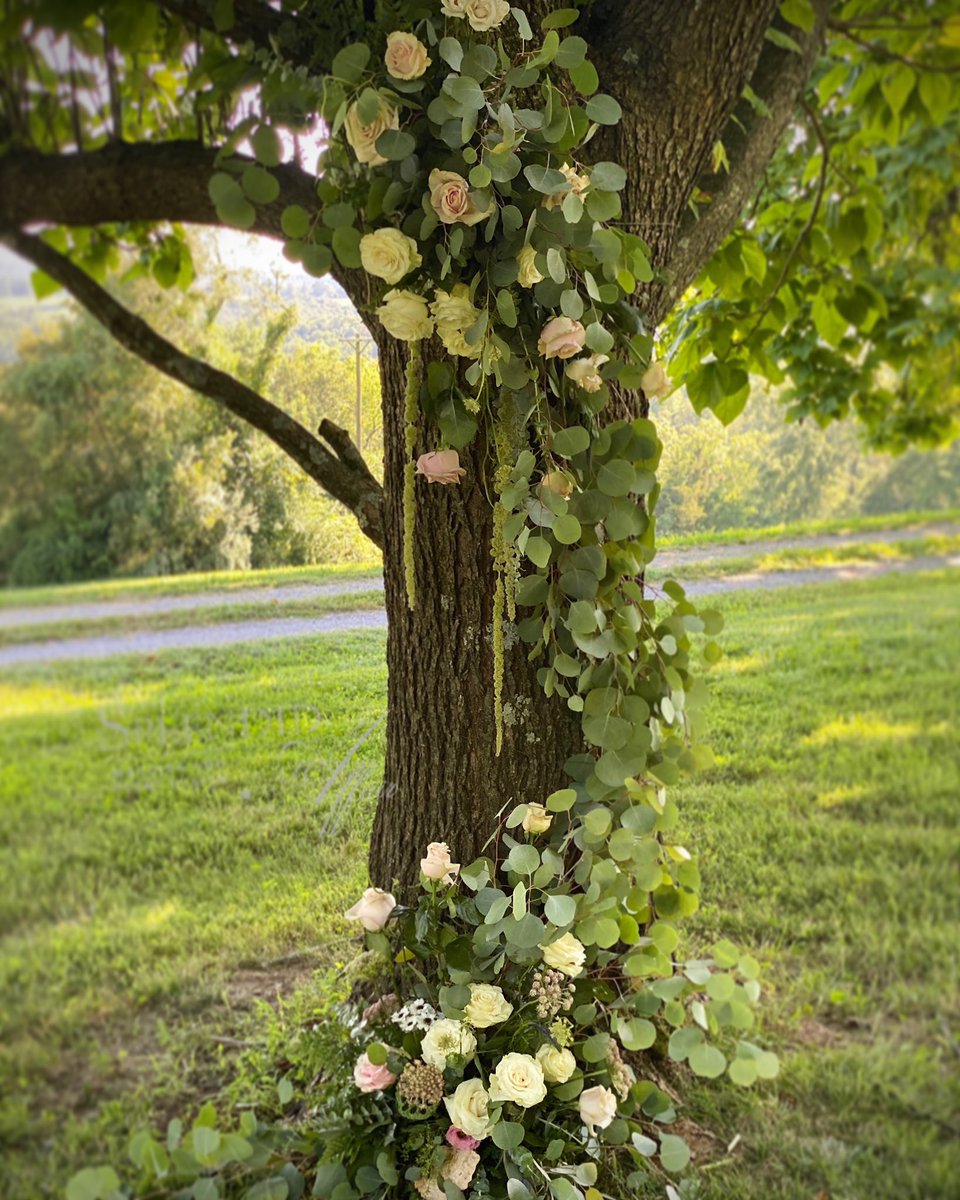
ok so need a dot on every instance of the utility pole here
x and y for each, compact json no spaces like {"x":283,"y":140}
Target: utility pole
{"x":359,"y":344}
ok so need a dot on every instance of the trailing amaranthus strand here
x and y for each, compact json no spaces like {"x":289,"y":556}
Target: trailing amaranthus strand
{"x":498,"y":600}
{"x":411,"y":412}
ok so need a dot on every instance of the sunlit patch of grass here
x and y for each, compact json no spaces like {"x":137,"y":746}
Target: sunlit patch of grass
{"x":841,"y":795}
{"x":862,"y":727}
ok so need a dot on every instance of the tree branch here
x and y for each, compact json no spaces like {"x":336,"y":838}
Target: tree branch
{"x":750,"y":140}
{"x":344,"y":475}
{"x":144,"y":181}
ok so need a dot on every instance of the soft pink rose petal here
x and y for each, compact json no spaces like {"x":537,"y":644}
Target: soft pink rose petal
{"x":440,"y":466}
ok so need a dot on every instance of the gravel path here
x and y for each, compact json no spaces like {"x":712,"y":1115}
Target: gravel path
{"x":231,"y":633}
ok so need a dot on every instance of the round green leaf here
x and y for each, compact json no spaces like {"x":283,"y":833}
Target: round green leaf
{"x":294,"y":221}
{"x":567,"y":530}
{"x":603,"y":109}
{"x":573,"y":440}
{"x":561,"y":910}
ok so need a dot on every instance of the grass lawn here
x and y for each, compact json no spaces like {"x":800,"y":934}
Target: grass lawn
{"x":169,"y":855}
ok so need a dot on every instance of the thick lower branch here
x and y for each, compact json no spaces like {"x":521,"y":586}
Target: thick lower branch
{"x":347,"y":480}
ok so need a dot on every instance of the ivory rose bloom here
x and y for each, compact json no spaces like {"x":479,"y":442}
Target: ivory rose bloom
{"x":467,"y":1109}
{"x":537,"y":820}
{"x":486,"y":14}
{"x":519,"y":1078}
{"x":585,"y":372}
{"x":440,"y":466}
{"x":363,"y":138}
{"x":566,"y":954}
{"x":527,"y":273}
{"x":451,"y":201}
{"x":488,"y":1006}
{"x":444,"y":1038}
{"x":655,"y":381}
{"x":598,"y":1107}
{"x":372,"y":1077}
{"x":438,"y":864}
{"x":560,"y":484}
{"x":454,"y":313}
{"x":405,"y":316}
{"x":561,"y":338}
{"x":406,"y":56}
{"x":454,"y":8}
{"x":577,"y":184}
{"x":372,"y":910}
{"x":557,"y":1065}
{"x":389,"y":254}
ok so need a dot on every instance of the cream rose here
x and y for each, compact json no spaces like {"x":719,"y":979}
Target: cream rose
{"x":363,"y":138}
{"x":598,"y":1107}
{"x":451,"y":200}
{"x":444,"y":1038}
{"x":454,"y":8}
{"x":440,"y":466}
{"x":537,"y":820}
{"x":560,"y":484}
{"x":389,"y":254}
{"x":557,"y":1065}
{"x":405,"y":316}
{"x":373,"y":909}
{"x":454,"y":313}
{"x":561,"y":338}
{"x":655,"y":381}
{"x":438,"y":865}
{"x":577,"y":184}
{"x":467,"y":1108}
{"x":527,"y":273}
{"x":566,"y":954}
{"x":406,"y":56}
{"x":519,"y":1078}
{"x":585,"y":372}
{"x":488,"y":1006}
{"x":486,"y":14}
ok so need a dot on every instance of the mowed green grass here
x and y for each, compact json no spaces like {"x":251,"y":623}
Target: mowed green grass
{"x":164,"y":856}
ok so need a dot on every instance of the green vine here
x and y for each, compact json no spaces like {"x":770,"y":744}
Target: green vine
{"x":411,"y":415}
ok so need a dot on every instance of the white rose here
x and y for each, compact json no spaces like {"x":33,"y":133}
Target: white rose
{"x":655,"y":381}
{"x":537,"y":820}
{"x":488,"y":1006}
{"x":557,"y":1065}
{"x":467,"y":1109}
{"x":577,"y":184}
{"x":519,"y":1078}
{"x":527,"y":274}
{"x":406,"y":56}
{"x":598,"y":1107}
{"x":405,"y":316}
{"x":444,"y":1038}
{"x":454,"y":8}
{"x":486,"y":14}
{"x":363,"y":138}
{"x":438,"y":865}
{"x":566,"y":954}
{"x":454,"y":313}
{"x":451,"y":200}
{"x":585,"y":372}
{"x":373,"y":909}
{"x":389,"y":254}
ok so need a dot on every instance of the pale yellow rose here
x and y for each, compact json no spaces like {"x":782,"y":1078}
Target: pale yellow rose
{"x":486,"y":14}
{"x":537,"y":820}
{"x":518,"y":1078}
{"x":527,"y":273}
{"x":598,"y":1107}
{"x":488,"y":1006}
{"x":557,"y":1065}
{"x":577,"y":184}
{"x":389,"y":254}
{"x":655,"y":381}
{"x":405,"y":316}
{"x":561,"y":338}
{"x":454,"y":8}
{"x":373,"y":909}
{"x":566,"y":954}
{"x":363,"y":138}
{"x":467,"y":1109}
{"x":406,"y":56}
{"x":438,"y":864}
{"x":585,"y":372}
{"x":444,"y":1038}
{"x":451,"y":200}
{"x":561,"y":485}
{"x":454,"y":313}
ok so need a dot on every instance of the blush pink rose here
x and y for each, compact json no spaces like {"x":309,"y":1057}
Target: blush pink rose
{"x":440,"y":466}
{"x":460,"y":1140}
{"x":371,"y":1077}
{"x":561,"y":338}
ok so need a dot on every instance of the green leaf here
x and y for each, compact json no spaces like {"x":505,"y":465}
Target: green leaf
{"x":603,"y":109}
{"x":637,"y":1033}
{"x":585,"y":78}
{"x":457,"y":425}
{"x":294,"y":221}
{"x":560,"y":18}
{"x":267,"y":147}
{"x":395,"y":144}
{"x":93,"y":1183}
{"x":561,"y":910}
{"x":799,"y":13}
{"x":346,"y":246}
{"x":570,"y":441}
{"x":451,"y":52}
{"x":260,"y":186}
{"x":538,"y":550}
{"x":616,"y":478}
{"x":547,"y":180}
{"x":596,"y":1048}
{"x":508,"y":1135}
{"x":571,"y":53}
{"x":562,"y":800}
{"x":608,"y":177}
{"x":507,"y":309}
{"x":349,"y":63}
{"x":707,"y":1061}
{"x":674,"y":1153}
{"x":523,"y":859}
